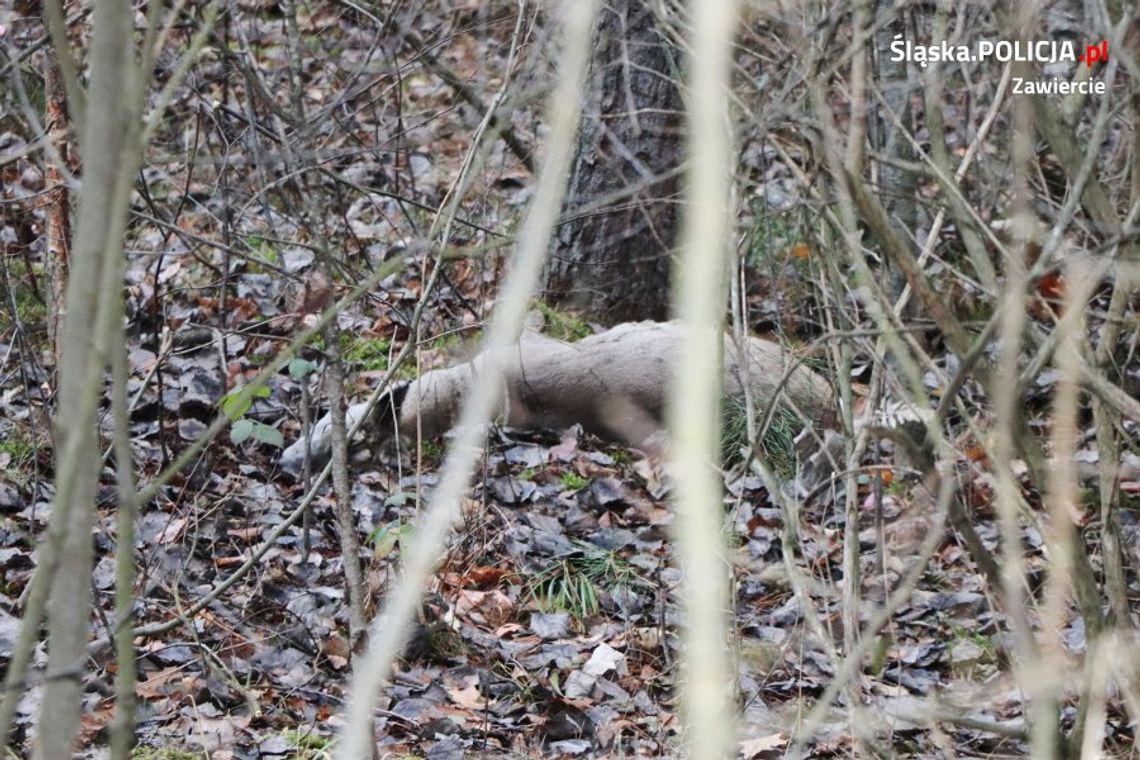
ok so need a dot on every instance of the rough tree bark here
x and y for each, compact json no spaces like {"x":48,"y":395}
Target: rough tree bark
{"x":897,"y":186}
{"x":612,"y":261}
{"x":58,"y":210}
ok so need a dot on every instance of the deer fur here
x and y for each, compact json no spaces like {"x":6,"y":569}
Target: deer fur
{"x":613,"y":384}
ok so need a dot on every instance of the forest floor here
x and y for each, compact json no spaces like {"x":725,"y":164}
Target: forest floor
{"x":550,"y":629}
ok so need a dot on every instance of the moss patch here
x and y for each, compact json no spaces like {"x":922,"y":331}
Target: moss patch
{"x":562,"y":325}
{"x":367,"y":354}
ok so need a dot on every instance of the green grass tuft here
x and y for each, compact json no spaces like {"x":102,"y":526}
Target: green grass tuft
{"x":572,"y":481}
{"x":777,"y":446}
{"x":574,"y":584}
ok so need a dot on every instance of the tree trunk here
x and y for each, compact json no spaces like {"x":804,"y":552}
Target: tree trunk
{"x":90,"y":330}
{"x":897,"y":185}
{"x":58,"y":212}
{"x":612,"y":261}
